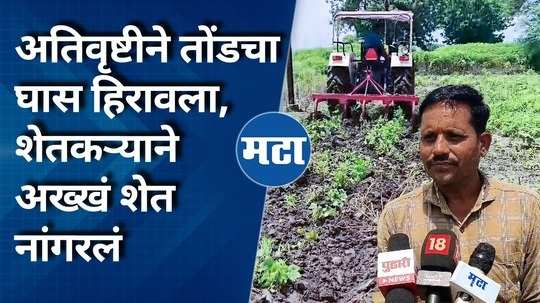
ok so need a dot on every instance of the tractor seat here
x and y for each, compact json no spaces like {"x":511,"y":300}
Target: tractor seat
{"x":371,"y":55}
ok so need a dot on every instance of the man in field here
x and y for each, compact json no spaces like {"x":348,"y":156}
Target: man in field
{"x":463,"y":199}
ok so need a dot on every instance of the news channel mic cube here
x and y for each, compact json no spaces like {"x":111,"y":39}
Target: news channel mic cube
{"x":396,"y":268}
{"x":433,"y":278}
{"x":472,"y":281}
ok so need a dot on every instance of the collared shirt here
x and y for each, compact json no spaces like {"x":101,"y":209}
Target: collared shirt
{"x":506,"y":216}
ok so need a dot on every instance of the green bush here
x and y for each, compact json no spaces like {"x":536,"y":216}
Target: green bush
{"x":309,"y":68}
{"x":473,"y":58}
{"x":272,"y":273}
{"x":316,"y":59}
{"x":311,"y":59}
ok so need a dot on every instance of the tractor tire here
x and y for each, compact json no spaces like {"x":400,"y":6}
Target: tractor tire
{"x":403,"y":81}
{"x":403,"y":84}
{"x":338,"y":82}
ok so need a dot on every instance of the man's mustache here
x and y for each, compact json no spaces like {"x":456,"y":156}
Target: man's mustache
{"x":441,"y":162}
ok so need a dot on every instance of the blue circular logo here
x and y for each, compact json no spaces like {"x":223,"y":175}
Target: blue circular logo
{"x":273,"y":149}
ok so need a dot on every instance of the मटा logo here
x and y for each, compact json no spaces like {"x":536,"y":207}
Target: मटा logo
{"x":479,"y":281}
{"x":283,"y":150}
{"x":273,"y":149}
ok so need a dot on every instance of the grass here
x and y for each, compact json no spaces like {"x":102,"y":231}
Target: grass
{"x":315,"y":60}
{"x":309,"y":67}
{"x":513,"y":100}
{"x":473,"y":58}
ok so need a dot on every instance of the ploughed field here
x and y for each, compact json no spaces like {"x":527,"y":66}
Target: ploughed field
{"x":318,"y":238}
{"x":335,"y":251}
{"x":336,"y":254}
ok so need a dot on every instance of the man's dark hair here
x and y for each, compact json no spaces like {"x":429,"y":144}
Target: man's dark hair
{"x":452,"y":94}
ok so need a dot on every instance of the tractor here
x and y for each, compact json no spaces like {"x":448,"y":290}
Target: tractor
{"x":383,"y":74}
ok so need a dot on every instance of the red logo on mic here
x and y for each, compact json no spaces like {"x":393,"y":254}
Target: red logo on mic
{"x":396,"y":264}
{"x":437,"y":244}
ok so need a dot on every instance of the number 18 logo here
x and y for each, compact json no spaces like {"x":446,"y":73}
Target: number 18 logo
{"x":438,"y":244}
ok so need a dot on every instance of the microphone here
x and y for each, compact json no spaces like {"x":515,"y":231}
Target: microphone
{"x":440,"y":253}
{"x":469,"y":282}
{"x":399,"y":295}
{"x":396,"y":270}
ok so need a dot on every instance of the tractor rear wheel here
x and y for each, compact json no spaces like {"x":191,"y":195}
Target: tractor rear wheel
{"x":403,"y":84}
{"x":338,"y":82}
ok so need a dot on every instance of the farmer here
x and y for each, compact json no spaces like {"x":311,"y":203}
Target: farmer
{"x":465,"y":200}
{"x":381,"y":66}
{"x":373,"y":39}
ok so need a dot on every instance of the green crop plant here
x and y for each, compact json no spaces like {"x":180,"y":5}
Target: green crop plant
{"x":322,"y":162}
{"x":265,"y":249}
{"x":290,"y":200}
{"x":273,"y":273}
{"x":333,"y":201}
{"x":352,"y":169}
{"x":311,"y":235}
{"x":385,"y":134}
{"x":320,"y":129}
{"x":277,"y":273}
{"x":320,"y":212}
{"x":336,"y":197}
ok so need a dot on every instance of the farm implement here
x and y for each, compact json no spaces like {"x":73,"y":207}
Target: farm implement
{"x":383,"y":74}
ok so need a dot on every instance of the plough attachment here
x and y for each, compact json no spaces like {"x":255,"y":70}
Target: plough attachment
{"x":360,"y":95}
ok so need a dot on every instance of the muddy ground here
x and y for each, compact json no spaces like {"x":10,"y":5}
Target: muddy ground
{"x":339,"y":266}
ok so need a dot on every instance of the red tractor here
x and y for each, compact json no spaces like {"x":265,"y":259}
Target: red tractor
{"x":384,"y":74}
